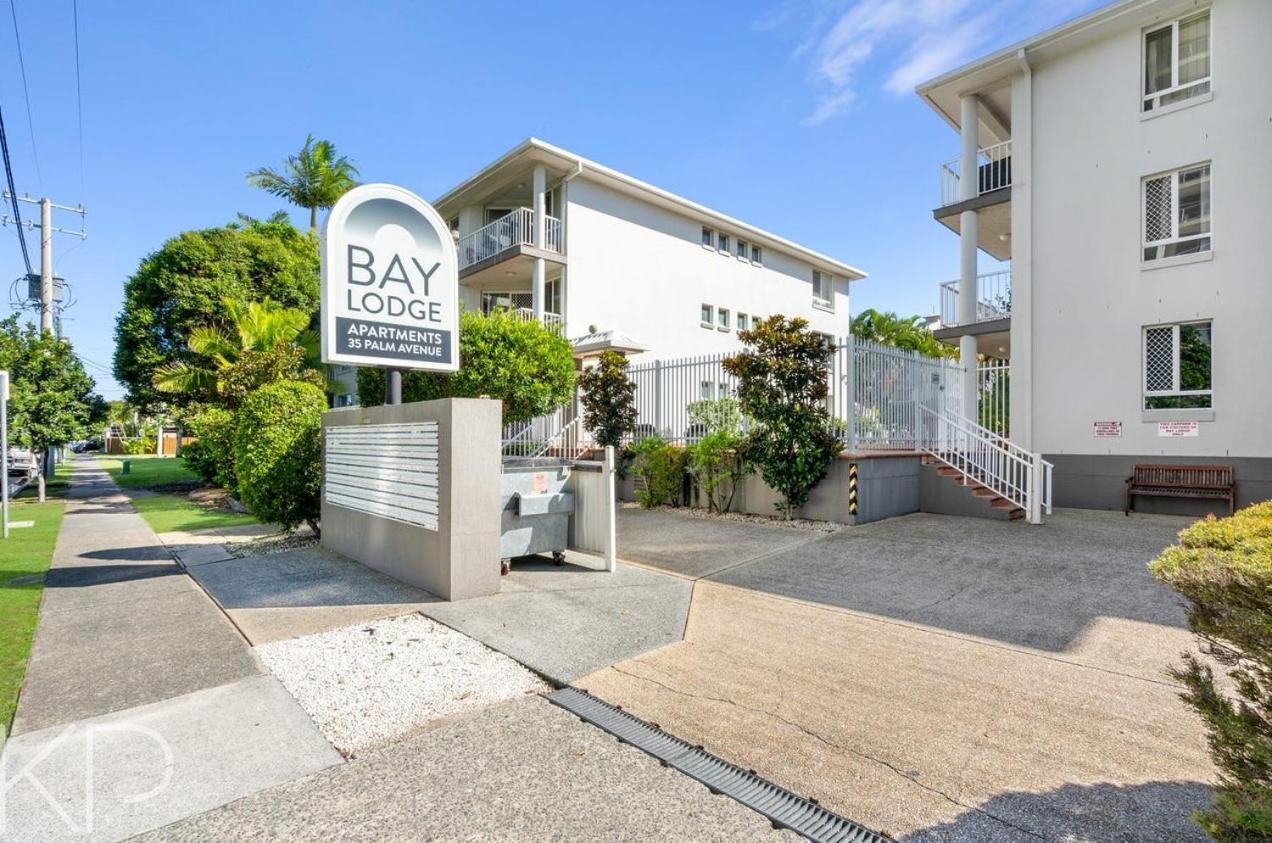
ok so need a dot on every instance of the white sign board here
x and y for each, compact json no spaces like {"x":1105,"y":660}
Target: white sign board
{"x":1175,"y":429}
{"x":1106,"y":429}
{"x":390,"y":282}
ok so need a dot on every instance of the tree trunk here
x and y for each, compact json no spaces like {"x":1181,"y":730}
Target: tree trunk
{"x":314,"y":525}
{"x":313,"y":218}
{"x":39,"y":475}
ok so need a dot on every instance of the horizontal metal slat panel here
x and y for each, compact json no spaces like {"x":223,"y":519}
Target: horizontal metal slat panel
{"x":388,"y":470}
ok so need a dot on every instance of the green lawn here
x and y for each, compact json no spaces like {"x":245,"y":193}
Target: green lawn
{"x":25,"y":554}
{"x":165,"y":513}
{"x":55,"y":487}
{"x":147,"y":471}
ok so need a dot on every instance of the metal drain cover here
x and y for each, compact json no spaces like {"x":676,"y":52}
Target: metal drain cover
{"x":783,"y":808}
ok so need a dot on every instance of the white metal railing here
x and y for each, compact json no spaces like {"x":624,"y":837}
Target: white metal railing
{"x":993,"y":171}
{"x":557,"y":434}
{"x":513,"y":229}
{"x":993,"y":391}
{"x":988,"y":460}
{"x":993,"y":298}
{"x":554,"y":321}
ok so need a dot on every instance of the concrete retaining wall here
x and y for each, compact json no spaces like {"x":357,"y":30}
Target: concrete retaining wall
{"x":1098,"y":481}
{"x":461,"y":558}
{"x":887,"y":486}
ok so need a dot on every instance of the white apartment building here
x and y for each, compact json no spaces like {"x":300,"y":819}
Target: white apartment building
{"x":611,"y":258}
{"x":1122,"y":163}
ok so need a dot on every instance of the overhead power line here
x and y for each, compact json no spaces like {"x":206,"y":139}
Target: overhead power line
{"x":26,"y":92}
{"x":13,"y":194}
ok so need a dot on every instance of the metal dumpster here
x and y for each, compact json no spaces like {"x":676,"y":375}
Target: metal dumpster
{"x":536,"y":509}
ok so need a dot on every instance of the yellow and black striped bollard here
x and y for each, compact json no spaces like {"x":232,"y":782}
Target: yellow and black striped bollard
{"x":852,"y":488}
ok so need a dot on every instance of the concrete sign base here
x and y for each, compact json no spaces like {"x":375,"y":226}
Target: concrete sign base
{"x":412,"y":490}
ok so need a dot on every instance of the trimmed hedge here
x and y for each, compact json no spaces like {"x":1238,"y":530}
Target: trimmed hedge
{"x":1224,"y":567}
{"x":211,"y":455}
{"x":278,"y":452}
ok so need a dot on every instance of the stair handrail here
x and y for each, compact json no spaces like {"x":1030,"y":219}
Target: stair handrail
{"x":1015,"y":474}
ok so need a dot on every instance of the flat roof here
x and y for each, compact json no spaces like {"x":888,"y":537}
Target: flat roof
{"x":534,"y":149}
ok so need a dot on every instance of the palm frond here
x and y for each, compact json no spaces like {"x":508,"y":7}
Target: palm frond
{"x":183,"y":378}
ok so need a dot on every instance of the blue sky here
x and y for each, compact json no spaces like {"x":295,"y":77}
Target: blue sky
{"x":798,"y":117}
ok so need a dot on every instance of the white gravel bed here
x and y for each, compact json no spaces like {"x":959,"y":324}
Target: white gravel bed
{"x":746,"y":518}
{"x":367,"y":684}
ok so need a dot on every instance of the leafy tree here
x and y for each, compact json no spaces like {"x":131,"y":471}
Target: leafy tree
{"x":51,"y":396}
{"x":909,"y":333}
{"x":316,"y":178}
{"x":524,"y":364}
{"x":278,"y":453}
{"x":782,"y":386}
{"x":715,"y":460}
{"x":262,"y":343}
{"x":660,"y":471}
{"x":609,"y":399}
{"x":182,"y":286}
{"x":211,"y":454}
{"x":1224,"y":568}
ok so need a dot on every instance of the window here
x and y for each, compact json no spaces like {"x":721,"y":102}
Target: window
{"x":722,"y":318}
{"x":757,"y":254}
{"x":741,"y":322}
{"x":705,"y":390}
{"x":1177,"y":366}
{"x":725,"y":391}
{"x":1177,"y":61}
{"x":823,"y":285}
{"x":708,"y":316}
{"x":722,"y":242}
{"x":1177,"y":213}
{"x":708,"y":237}
{"x":742,"y":249}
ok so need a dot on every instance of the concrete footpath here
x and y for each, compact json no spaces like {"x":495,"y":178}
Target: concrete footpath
{"x":142,"y":704}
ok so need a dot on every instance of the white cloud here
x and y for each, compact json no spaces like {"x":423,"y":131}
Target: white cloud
{"x":913,"y":39}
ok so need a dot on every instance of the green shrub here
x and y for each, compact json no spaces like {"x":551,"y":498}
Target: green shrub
{"x":782,"y":387}
{"x":278,"y":452}
{"x":211,"y":455}
{"x":716,"y":415}
{"x":660,"y":469}
{"x":716,"y":463}
{"x":139,"y":445}
{"x":609,"y":400}
{"x":1224,"y":568}
{"x":527,"y":366}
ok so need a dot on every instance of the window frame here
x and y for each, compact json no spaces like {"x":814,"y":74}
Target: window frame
{"x":1176,"y":368}
{"x":823,"y":279}
{"x":742,"y":249}
{"x":724,"y":319}
{"x":1150,"y":103}
{"x":709,"y":309}
{"x":757,"y":254}
{"x":708,"y":237}
{"x":1145,"y":244}
{"x":722,"y":243}
{"x":740,"y":321}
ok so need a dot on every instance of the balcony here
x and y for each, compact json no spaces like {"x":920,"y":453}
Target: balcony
{"x":554,"y":322}
{"x":992,"y":323}
{"x":509,"y":236}
{"x":992,"y":200}
{"x":993,"y":172}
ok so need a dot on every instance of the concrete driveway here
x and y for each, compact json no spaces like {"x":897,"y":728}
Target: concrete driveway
{"x":939,"y":678}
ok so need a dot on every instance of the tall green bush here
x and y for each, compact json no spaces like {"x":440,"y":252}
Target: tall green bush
{"x":715,"y":460}
{"x":660,"y":470}
{"x":211,"y":454}
{"x":609,"y":399}
{"x":278,"y":452}
{"x":526,"y":365}
{"x":1224,"y":568}
{"x":782,"y":387}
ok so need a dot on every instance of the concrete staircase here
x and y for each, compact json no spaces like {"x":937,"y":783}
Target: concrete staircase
{"x":953,"y":492}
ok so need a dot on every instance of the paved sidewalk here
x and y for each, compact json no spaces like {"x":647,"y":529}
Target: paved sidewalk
{"x":142,"y":704}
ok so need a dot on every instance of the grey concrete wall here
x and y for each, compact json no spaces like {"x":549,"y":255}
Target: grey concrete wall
{"x":887,"y":486}
{"x":461,"y":558}
{"x":1098,"y":481}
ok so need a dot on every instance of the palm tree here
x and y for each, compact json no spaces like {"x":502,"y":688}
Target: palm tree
{"x":254,"y":327}
{"x":909,"y":333}
{"x":314,"y":179}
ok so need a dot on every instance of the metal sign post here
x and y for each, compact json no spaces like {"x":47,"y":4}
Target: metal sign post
{"x":4,"y":444}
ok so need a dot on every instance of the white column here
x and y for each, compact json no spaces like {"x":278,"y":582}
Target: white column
{"x":968,"y":239}
{"x":536,"y":287}
{"x":540,"y":202}
{"x":1022,"y":260}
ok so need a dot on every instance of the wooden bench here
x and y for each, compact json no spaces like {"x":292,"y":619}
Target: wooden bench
{"x":1214,"y":482}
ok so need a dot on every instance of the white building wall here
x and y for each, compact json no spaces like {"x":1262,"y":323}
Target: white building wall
{"x":642,"y":269}
{"x":1091,"y":295}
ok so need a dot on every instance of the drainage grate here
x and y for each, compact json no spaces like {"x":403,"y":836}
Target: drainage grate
{"x":783,"y":808}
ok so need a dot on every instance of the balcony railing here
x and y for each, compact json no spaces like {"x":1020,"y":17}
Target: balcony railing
{"x":552,"y":321}
{"x":993,"y":299}
{"x":515,"y":229}
{"x":993,"y":171}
